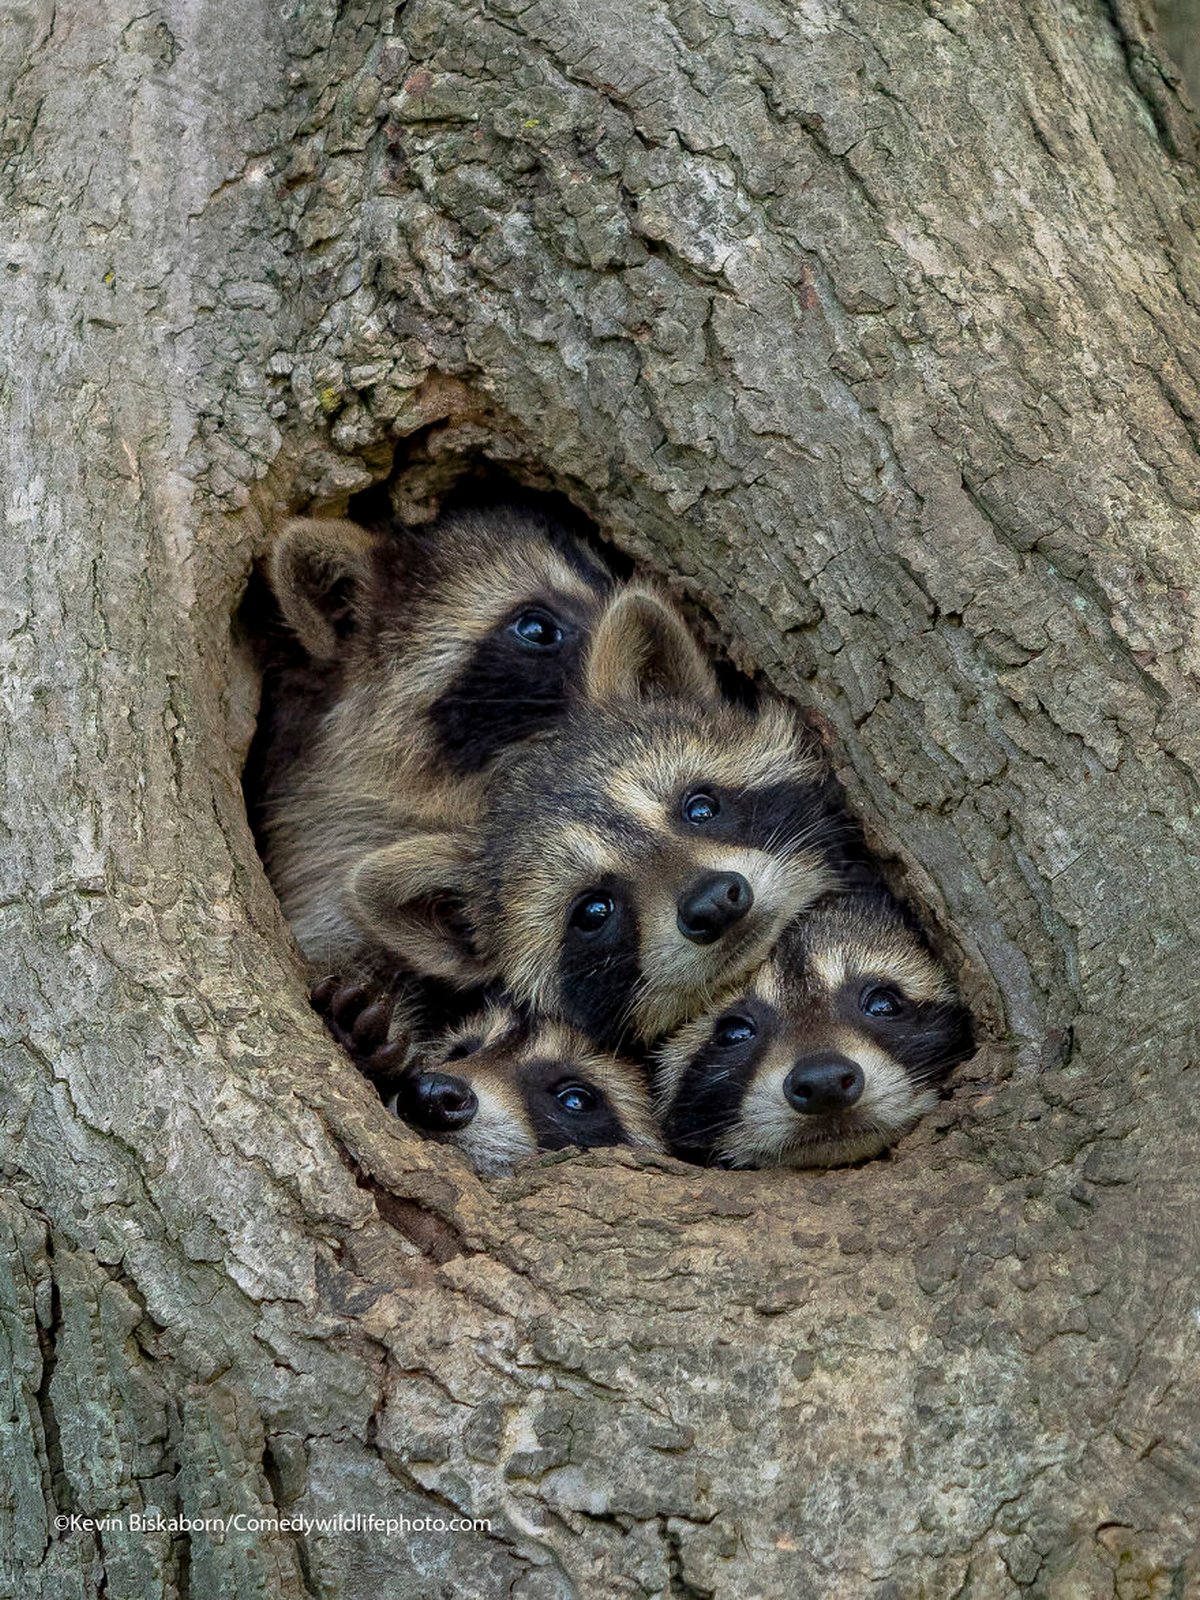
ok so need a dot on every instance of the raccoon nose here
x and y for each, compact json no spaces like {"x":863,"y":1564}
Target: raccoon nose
{"x":712,"y":905}
{"x":824,"y":1084}
{"x":437,"y":1102}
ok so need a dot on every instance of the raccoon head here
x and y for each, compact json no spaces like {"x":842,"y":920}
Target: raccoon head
{"x":436,"y":649}
{"x":503,"y":1086}
{"x":832,"y":1050}
{"x":476,"y":624}
{"x":649,"y":850}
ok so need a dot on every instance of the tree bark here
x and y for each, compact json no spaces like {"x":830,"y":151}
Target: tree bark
{"x":878,"y":328}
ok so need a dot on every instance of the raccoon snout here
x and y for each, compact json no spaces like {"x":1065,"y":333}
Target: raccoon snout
{"x":712,"y":905}
{"x":436,"y":1102}
{"x":824,"y":1084}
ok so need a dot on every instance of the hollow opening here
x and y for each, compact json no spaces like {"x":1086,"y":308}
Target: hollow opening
{"x":422,"y":489}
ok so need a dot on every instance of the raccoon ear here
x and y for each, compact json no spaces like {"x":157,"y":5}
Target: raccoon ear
{"x":641,"y":647}
{"x":319,"y":571}
{"x":409,"y":896}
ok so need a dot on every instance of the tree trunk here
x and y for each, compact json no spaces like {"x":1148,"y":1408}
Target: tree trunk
{"x":878,"y":325}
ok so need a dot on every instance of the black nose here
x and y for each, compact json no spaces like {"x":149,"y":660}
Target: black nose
{"x":823,"y":1084}
{"x":712,"y":905}
{"x":436,"y":1102}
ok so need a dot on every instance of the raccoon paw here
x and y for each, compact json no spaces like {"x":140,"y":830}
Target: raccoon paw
{"x":386,"y":1066}
{"x":357,"y":1016}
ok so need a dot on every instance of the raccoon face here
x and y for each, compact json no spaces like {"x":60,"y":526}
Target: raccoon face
{"x":682,"y":875}
{"x":476,"y":624}
{"x":518,"y":618}
{"x":629,"y":863}
{"x":832,"y":1051}
{"x":501,"y":1087}
{"x":650,"y":850}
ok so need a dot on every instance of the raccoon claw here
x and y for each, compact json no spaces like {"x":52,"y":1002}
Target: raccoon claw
{"x":320,"y":995}
{"x":348,"y":1003}
{"x":370,"y":1028}
{"x":356,"y":1020}
{"x":386,"y":1065}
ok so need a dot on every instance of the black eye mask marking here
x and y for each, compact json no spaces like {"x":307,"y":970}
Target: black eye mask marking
{"x":599,"y":965}
{"x":709,"y":1095}
{"x":927,"y":1038}
{"x":516,"y":682}
{"x":778,"y":817}
{"x":461,"y":1049}
{"x":565,"y":1108}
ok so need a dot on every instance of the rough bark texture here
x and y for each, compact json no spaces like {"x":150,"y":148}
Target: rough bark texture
{"x":879,"y":324}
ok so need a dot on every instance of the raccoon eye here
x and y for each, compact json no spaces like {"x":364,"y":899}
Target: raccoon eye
{"x":881,"y":1002}
{"x":537,"y":630}
{"x":591,"y":912}
{"x":733,"y":1030}
{"x":575,"y":1097}
{"x":699,"y":808}
{"x":464,"y":1047}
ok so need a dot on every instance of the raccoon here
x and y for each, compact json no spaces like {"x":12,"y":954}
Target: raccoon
{"x":832,"y":1050}
{"x":503,"y":1086}
{"x":642,"y":855}
{"x":421,"y":655}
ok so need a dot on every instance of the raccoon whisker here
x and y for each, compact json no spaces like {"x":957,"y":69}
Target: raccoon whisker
{"x":711,"y":1133}
{"x":780,"y":833}
{"x":654,"y":987}
{"x":722,"y":1075}
{"x":835,"y":827}
{"x":812,"y":832}
{"x":642,"y":989}
{"x":473,"y":699}
{"x":712,"y":1127}
{"x":927,"y":1078}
